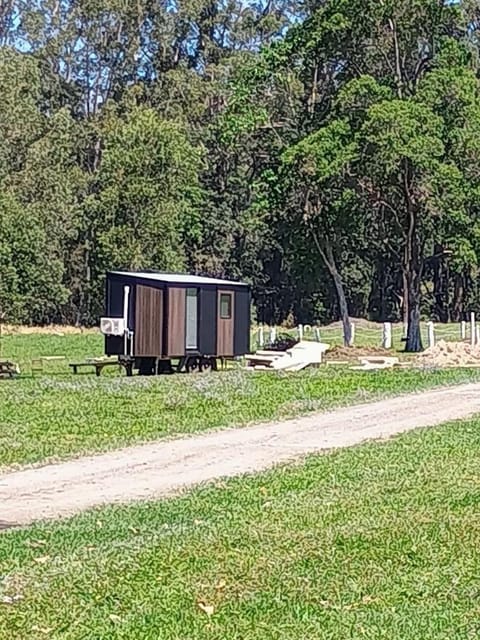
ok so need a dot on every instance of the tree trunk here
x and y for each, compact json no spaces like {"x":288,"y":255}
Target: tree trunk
{"x":405,"y":309}
{"x":343,"y":307}
{"x":328,"y":258}
{"x":459,"y":298}
{"x":414,"y":337}
{"x":412,"y":267}
{"x":413,"y":279}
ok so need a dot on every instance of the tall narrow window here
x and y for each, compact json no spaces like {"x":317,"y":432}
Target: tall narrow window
{"x":192,"y":319}
{"x":225,"y":306}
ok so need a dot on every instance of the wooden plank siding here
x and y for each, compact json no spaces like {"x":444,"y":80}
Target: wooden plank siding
{"x":225,"y":326}
{"x":148,"y":321}
{"x":176,"y":322}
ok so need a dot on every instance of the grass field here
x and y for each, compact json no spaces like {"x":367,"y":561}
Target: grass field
{"x":56,"y":414}
{"x":380,"y":541}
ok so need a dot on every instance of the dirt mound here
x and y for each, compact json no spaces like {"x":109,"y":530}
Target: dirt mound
{"x":354,"y":353}
{"x":445,"y":354}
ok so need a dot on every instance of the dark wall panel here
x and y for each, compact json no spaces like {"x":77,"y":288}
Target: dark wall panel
{"x":114,"y":303}
{"x":207,"y":343}
{"x":114,"y":307}
{"x":114,"y":345}
{"x":242,"y":322}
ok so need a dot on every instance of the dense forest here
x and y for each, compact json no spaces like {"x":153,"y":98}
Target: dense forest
{"x":326,"y":151}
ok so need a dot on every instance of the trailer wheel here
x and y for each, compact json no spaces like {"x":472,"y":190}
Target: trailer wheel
{"x":200,"y":364}
{"x":193,"y":364}
{"x":208,"y":364}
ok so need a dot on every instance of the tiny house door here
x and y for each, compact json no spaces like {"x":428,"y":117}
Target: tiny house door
{"x":225,"y":323}
{"x":148,"y":321}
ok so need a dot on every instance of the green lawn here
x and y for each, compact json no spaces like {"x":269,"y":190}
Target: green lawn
{"x":22,"y":348}
{"x":58,"y":414}
{"x":379,"y":541}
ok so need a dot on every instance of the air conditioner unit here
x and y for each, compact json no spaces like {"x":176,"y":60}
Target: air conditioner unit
{"x":112,"y":326}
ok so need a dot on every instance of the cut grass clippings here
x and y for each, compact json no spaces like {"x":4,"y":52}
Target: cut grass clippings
{"x":58,"y":415}
{"x":379,"y":541}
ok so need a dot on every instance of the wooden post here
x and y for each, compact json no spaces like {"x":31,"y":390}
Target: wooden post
{"x":352,"y":337}
{"x":473,"y":336}
{"x":431,"y":334}
{"x":387,"y":335}
{"x":317,"y":334}
{"x":463,"y":330}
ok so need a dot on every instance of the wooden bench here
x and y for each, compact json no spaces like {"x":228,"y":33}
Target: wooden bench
{"x":100,"y":364}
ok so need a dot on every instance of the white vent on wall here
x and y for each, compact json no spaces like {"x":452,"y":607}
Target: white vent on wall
{"x":112,"y":326}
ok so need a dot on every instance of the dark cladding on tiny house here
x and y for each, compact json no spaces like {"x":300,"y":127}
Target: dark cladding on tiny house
{"x":161,"y":316}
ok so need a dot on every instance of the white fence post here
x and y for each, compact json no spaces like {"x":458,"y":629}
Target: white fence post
{"x":300,"y":332}
{"x":273,"y":335}
{"x":472,"y":329}
{"x":387,"y":335}
{"x":317,"y":334}
{"x":261,"y":340}
{"x":478,"y":334}
{"x":352,"y":334}
{"x":431,"y":334}
{"x":463,"y":329}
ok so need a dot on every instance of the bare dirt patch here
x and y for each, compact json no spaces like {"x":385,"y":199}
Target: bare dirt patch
{"x":352,"y":354}
{"x":164,"y":468}
{"x":52,"y":329}
{"x":447,"y":354}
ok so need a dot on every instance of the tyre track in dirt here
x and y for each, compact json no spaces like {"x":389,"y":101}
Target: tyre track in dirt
{"x":160,"y":469}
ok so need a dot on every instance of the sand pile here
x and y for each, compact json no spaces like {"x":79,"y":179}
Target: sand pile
{"x":445,"y":354}
{"x":354,"y":353}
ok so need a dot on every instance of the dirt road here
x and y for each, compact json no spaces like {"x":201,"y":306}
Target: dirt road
{"x":160,"y":469}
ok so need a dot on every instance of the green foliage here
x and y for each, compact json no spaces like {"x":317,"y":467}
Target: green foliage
{"x":148,"y":192}
{"x":227,"y":138}
{"x":325,"y":153}
{"x":31,"y":277}
{"x":21,"y":121}
{"x":401,"y":130}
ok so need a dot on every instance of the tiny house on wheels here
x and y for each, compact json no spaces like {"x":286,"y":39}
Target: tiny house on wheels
{"x":155,"y":318}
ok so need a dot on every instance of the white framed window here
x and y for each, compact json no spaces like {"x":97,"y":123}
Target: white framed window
{"x":225,"y":306}
{"x":191,"y":311}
